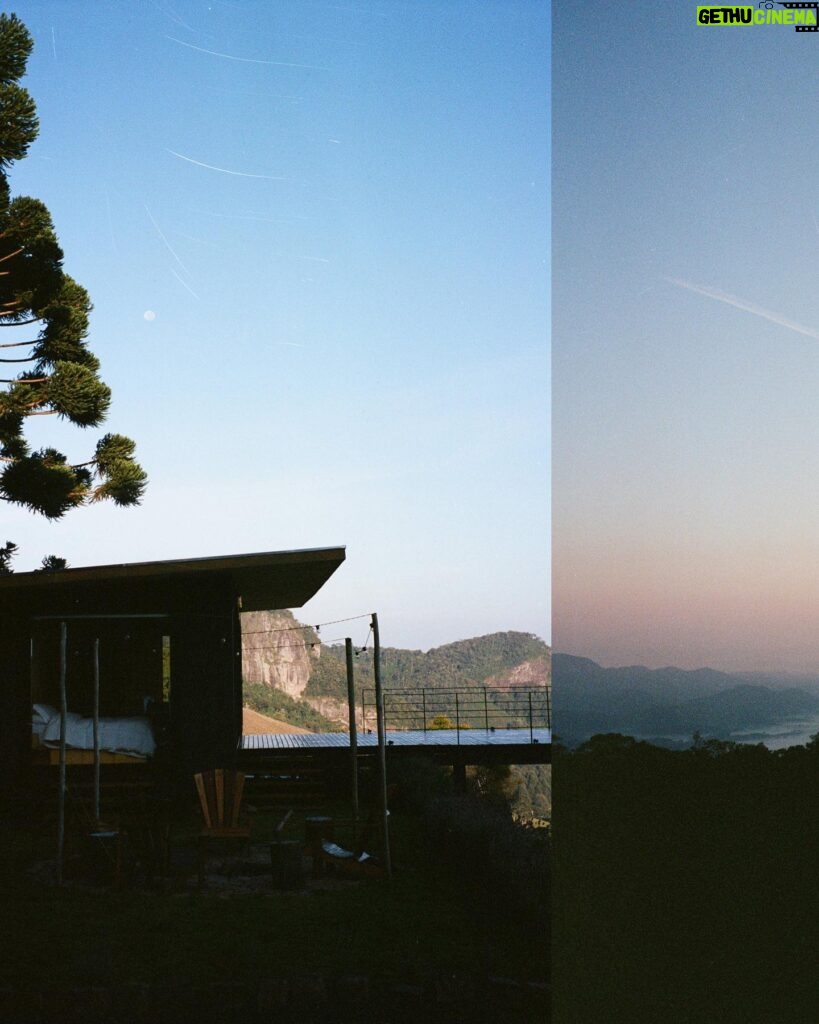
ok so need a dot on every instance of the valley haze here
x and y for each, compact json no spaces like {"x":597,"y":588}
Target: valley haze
{"x":670,"y":705}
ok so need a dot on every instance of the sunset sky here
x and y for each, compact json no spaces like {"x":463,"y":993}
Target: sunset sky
{"x":316,"y":236}
{"x":686,"y":340}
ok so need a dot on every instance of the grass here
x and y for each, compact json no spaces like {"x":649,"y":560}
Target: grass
{"x":427,"y":919}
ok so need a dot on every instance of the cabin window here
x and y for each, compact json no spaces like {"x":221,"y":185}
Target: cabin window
{"x":131,"y":658}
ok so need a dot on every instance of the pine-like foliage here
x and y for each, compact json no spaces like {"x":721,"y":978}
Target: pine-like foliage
{"x":53,"y":373}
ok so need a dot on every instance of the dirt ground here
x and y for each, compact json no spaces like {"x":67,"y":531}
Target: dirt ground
{"x":256,"y":724}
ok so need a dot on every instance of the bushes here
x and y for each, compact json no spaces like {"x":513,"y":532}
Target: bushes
{"x":507,"y":862}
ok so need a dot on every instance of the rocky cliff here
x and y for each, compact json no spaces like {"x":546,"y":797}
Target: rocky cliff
{"x":280,"y":654}
{"x":276,"y":652}
{"x":534,"y":672}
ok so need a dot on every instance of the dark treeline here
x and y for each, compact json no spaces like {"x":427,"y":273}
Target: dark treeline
{"x":685,"y":883}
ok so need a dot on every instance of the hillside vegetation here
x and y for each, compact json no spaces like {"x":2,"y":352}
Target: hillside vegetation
{"x":319,"y":676}
{"x":485,"y":660}
{"x":269,"y":701}
{"x":533,"y":796}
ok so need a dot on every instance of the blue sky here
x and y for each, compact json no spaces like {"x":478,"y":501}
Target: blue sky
{"x":337,"y":331}
{"x":686,"y":339}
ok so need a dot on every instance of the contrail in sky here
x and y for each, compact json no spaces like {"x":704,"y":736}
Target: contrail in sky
{"x":749,"y":307}
{"x":184,"y":284}
{"x":174,"y":17}
{"x":224,"y":170}
{"x":246,"y":60}
{"x":168,"y":245}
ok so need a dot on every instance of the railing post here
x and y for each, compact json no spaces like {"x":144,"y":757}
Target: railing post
{"x":348,"y":651}
{"x":61,"y":791}
{"x":96,"y":729}
{"x":485,"y":711}
{"x":424,"y":706}
{"x":382,"y":743}
{"x":531,"y":730}
{"x":457,"y":719}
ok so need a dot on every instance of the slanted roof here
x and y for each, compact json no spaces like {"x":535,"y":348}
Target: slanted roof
{"x":263,"y":580}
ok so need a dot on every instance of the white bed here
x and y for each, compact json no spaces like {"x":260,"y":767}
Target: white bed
{"x":132,"y":736}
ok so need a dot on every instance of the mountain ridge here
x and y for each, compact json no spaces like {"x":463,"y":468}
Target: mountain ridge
{"x":292,"y":676}
{"x":282,"y":654}
{"x":656,"y":703}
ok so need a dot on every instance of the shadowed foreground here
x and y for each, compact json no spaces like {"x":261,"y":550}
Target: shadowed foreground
{"x":685,"y":884}
{"x":442,"y":941}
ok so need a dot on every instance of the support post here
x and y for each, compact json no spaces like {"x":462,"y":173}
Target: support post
{"x":457,"y":720}
{"x":424,"y":706}
{"x":348,"y":649}
{"x":531,"y":731}
{"x":485,"y":711}
{"x":61,"y":783}
{"x":382,"y":745}
{"x":97,"y":730}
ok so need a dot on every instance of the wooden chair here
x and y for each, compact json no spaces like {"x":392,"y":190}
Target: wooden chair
{"x":220,"y":797}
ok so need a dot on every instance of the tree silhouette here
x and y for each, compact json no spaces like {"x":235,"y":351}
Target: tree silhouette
{"x":60,"y":374}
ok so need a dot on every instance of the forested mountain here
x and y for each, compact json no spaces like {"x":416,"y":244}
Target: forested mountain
{"x":669,"y":702}
{"x":291,"y":675}
{"x":499,"y":660}
{"x":279,"y":653}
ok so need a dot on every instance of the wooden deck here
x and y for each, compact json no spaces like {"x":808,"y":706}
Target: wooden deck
{"x":432,"y":739}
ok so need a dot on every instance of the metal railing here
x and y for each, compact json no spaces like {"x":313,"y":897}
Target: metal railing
{"x":474,"y":707}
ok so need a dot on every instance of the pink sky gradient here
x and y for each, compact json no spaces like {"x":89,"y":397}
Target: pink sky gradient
{"x":685,"y":351}
{"x":689,"y":609}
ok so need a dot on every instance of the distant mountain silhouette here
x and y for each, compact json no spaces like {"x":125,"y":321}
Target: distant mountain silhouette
{"x":666,"y":702}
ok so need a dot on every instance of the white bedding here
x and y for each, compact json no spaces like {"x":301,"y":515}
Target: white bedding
{"x":118,"y":735}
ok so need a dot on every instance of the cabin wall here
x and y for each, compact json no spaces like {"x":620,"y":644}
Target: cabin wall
{"x":203,"y":693}
{"x":15,"y":708}
{"x":130,"y":664}
{"x":202,"y":623}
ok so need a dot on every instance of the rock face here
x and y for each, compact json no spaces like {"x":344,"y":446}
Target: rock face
{"x":281,"y":653}
{"x":276,"y":654}
{"x":336,"y":710}
{"x":535,"y":672}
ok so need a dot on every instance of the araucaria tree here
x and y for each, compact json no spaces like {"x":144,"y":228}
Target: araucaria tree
{"x":54,"y":373}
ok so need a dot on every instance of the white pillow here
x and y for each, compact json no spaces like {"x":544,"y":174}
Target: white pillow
{"x":43,"y":712}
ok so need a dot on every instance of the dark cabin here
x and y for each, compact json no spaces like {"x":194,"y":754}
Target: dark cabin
{"x":168,"y":640}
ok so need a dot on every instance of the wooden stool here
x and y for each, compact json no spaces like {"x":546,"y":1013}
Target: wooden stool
{"x":316,"y":830}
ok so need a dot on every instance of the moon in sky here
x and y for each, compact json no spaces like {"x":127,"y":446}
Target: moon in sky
{"x":149,"y":314}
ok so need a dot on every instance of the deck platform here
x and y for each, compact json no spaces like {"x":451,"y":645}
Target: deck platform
{"x":468,"y":746}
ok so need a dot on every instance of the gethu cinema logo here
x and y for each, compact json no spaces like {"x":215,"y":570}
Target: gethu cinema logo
{"x":803,"y":16}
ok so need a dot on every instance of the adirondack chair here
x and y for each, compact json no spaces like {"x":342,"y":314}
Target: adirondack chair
{"x":220,"y":797}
